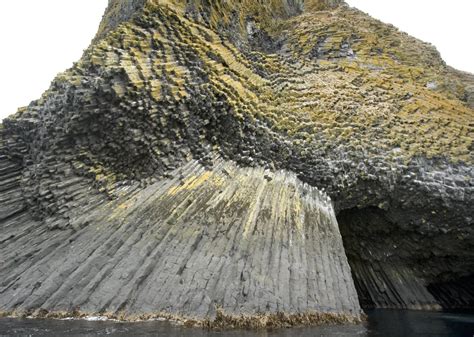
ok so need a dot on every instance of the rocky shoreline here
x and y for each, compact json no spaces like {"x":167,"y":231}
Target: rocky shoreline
{"x":220,"y":322}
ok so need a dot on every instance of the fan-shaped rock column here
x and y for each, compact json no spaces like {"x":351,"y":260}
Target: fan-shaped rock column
{"x":233,"y":240}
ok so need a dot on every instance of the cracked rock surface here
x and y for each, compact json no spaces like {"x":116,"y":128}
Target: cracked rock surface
{"x":180,"y":165}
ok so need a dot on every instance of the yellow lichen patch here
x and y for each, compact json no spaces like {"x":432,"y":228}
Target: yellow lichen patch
{"x":132,"y":72}
{"x":194,"y":182}
{"x":119,"y":89}
{"x":155,"y":89}
{"x":253,"y":209}
{"x":345,"y":77}
{"x":124,"y":205}
{"x":176,"y":5}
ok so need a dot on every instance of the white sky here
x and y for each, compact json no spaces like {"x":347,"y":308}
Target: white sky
{"x":40,"y":38}
{"x":449,"y":25}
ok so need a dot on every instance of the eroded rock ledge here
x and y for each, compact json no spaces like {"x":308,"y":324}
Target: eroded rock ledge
{"x":292,"y":96}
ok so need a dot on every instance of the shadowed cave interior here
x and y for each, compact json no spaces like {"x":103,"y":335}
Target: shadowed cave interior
{"x":390,"y":272}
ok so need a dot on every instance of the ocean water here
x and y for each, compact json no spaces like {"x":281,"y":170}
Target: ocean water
{"x":381,"y":323}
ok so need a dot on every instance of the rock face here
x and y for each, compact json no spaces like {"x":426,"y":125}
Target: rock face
{"x":242,"y":240}
{"x":208,"y":99}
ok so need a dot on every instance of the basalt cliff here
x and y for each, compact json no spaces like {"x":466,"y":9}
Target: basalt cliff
{"x":241,"y":163}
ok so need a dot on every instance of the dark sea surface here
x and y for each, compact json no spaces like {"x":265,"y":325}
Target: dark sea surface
{"x":381,"y":323}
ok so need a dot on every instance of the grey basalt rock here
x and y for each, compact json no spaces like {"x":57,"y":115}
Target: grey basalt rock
{"x":176,"y":169}
{"x":225,"y":239}
{"x":470,"y":96}
{"x":118,"y":12}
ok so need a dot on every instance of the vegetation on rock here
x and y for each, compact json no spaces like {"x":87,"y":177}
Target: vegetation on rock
{"x":306,"y":94}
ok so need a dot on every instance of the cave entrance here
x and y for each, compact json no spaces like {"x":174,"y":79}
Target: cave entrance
{"x":393,"y":264}
{"x":457,"y":294}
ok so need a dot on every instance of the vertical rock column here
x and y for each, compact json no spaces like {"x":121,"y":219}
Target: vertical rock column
{"x":240,"y":241}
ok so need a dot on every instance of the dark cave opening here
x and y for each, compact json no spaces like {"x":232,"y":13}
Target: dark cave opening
{"x":390,"y":270}
{"x":456,"y":294}
{"x":363,"y":231}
